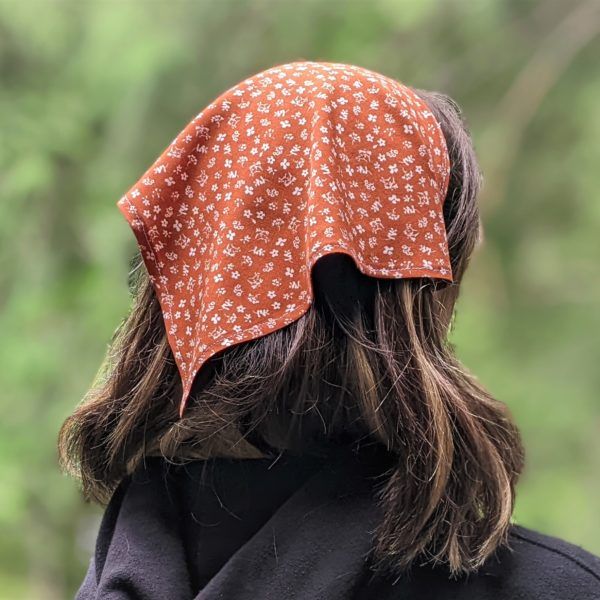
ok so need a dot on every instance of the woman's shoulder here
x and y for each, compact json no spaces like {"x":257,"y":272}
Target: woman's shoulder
{"x":553,"y":564}
{"x":533,"y":566}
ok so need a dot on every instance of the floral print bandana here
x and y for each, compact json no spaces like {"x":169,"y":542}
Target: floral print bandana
{"x":297,"y":161}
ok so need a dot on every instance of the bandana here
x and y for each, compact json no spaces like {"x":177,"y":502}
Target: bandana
{"x":295,"y":162}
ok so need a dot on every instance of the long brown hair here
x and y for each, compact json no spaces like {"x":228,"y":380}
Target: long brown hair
{"x":383,"y":374}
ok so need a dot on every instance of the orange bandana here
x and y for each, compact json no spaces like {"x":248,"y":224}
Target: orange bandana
{"x":295,"y":162}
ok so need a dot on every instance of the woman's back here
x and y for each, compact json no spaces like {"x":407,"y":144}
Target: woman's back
{"x":295,"y":527}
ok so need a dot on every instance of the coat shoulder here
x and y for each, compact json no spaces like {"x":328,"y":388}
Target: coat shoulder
{"x":556,"y":563}
{"x":532,"y":566}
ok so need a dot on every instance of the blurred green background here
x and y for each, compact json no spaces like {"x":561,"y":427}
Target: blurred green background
{"x":91,"y":92}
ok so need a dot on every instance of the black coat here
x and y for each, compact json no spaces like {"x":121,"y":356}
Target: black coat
{"x":292,"y":529}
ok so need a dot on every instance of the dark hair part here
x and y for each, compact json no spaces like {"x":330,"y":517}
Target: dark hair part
{"x":383,"y":373}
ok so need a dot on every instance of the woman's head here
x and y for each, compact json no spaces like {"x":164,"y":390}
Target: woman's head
{"x":368,"y":363}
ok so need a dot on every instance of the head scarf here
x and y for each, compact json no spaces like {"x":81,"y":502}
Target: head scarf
{"x":295,"y":162}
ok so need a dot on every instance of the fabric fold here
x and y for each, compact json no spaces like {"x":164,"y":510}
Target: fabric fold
{"x":177,"y":532}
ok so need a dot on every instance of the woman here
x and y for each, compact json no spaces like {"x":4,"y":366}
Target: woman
{"x":282,"y":415}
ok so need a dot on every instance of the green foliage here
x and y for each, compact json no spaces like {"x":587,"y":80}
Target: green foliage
{"x":91,"y":92}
